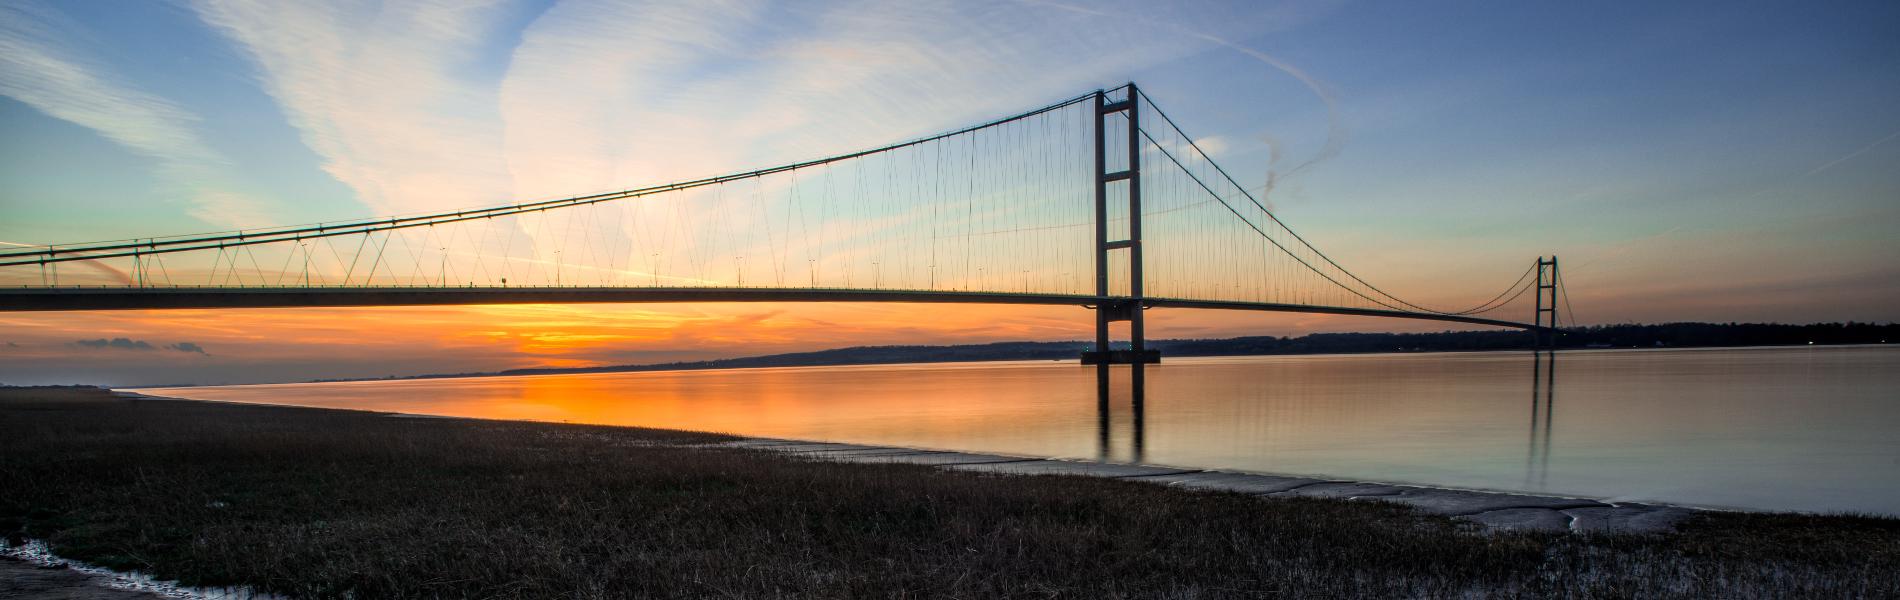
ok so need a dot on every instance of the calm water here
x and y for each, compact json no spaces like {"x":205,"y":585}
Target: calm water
{"x":1791,"y":428}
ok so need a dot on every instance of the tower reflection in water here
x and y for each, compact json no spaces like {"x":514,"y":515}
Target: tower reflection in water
{"x":1107,"y":398}
{"x":1543,"y":394}
{"x":1105,"y":401}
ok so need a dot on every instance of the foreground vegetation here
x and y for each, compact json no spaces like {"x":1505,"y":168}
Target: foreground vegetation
{"x":324,"y":503}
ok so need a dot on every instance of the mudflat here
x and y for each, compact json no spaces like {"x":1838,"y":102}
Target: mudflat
{"x":21,"y":579}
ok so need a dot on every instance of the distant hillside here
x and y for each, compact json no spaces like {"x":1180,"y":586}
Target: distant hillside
{"x":1619,"y":336}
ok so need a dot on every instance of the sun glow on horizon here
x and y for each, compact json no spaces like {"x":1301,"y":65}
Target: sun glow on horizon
{"x":1606,"y":137}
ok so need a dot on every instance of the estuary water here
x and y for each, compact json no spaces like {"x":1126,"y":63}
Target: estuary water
{"x":1809,"y":429}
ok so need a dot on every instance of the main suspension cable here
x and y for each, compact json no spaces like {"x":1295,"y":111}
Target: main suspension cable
{"x":1263,"y":209}
{"x":189,"y":242}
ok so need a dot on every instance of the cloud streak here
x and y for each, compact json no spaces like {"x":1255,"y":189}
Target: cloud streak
{"x":396,"y":99}
{"x":384,"y":94}
{"x":1851,"y":156}
{"x":121,"y":343}
{"x":1335,"y":125}
{"x":602,"y":95}
{"x":39,"y":67}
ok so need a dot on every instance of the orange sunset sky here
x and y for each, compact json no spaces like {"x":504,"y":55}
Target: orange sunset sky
{"x":1686,"y":164}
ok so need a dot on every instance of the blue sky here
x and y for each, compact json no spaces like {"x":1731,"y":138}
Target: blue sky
{"x":1690,"y":160}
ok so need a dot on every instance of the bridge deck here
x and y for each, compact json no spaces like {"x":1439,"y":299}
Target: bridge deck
{"x":120,"y":298}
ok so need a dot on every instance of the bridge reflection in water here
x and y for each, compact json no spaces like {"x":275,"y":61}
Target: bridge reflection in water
{"x":1536,"y":459}
{"x":1699,"y":426}
{"x":1105,"y":401}
{"x":1543,"y":403}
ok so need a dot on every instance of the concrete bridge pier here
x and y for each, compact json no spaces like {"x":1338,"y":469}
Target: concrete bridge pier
{"x":1119,"y":308}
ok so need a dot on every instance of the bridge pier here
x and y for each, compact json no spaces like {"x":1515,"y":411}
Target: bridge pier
{"x":1119,"y":308}
{"x":1103,"y":354}
{"x":1547,"y":281}
{"x":1121,"y":357}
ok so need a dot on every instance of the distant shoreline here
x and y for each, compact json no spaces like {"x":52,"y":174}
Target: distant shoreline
{"x":1670,"y":335}
{"x":669,"y":368}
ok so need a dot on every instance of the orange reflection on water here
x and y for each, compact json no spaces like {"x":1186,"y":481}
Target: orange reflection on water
{"x":1040,"y":403}
{"x":1787,"y":429}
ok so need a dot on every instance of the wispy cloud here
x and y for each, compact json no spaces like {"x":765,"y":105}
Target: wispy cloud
{"x":403,"y":103}
{"x":383,"y":93}
{"x":40,"y":67}
{"x":606,"y":95}
{"x":1213,"y":145}
{"x":1335,"y":124}
{"x":583,"y":90}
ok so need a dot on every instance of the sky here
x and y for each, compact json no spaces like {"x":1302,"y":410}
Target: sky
{"x":1706,"y":161}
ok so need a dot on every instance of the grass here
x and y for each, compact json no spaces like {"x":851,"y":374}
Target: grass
{"x":326,"y":504}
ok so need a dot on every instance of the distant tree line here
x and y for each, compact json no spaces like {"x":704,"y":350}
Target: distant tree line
{"x":1732,"y":334}
{"x":1675,"y":335}
{"x":1669,"y":335}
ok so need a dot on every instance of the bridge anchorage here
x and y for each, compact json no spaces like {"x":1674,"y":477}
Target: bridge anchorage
{"x":1012,"y":211}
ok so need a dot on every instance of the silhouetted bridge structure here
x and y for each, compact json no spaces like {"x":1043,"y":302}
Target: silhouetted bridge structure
{"x":1087,"y":202}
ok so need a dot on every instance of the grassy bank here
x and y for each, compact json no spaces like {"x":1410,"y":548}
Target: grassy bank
{"x":321,"y":503}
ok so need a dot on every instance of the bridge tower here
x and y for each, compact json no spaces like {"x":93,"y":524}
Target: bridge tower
{"x":1125,"y":308}
{"x":1547,"y":281}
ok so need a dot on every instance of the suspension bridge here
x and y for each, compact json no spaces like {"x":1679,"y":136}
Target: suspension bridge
{"x":1098,"y":201}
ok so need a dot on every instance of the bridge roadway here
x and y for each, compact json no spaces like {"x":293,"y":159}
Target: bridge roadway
{"x":132,"y":298}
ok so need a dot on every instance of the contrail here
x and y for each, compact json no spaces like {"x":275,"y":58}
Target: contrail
{"x":1830,"y":164}
{"x":1856,"y":153}
{"x":121,"y":276}
{"x":1335,"y":127}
